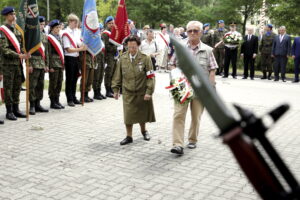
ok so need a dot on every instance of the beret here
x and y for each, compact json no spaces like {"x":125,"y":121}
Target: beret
{"x":7,"y":10}
{"x":42,"y":19}
{"x":54,"y":22}
{"x":270,"y":25}
{"x":205,"y":25}
{"x":221,"y":21}
{"x":109,"y":19}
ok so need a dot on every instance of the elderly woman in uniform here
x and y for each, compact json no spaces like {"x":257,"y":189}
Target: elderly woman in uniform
{"x":135,"y":75}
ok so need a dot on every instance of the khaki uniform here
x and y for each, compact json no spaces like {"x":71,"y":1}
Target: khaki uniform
{"x":36,"y":78}
{"x":11,"y":67}
{"x":89,"y":72}
{"x":266,"y":52}
{"x":110,"y":53}
{"x":56,"y":77}
{"x":219,"y":52}
{"x":99,"y":71}
{"x":132,"y":78}
{"x":207,"y":38}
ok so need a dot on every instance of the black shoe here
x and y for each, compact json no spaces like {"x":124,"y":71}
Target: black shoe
{"x":9,"y":113}
{"x":192,"y":145}
{"x":224,"y":76}
{"x":269,"y":78}
{"x":177,"y":150}
{"x":263,"y":78}
{"x":71,"y":104}
{"x":295,"y":81}
{"x":276,"y":79}
{"x":109,"y":92}
{"x":127,"y":140}
{"x":32,"y":108}
{"x":252,"y":78}
{"x":76,"y":102}
{"x":244,"y":77}
{"x":97,"y":95}
{"x":146,"y":136}
{"x":234,"y":77}
{"x":103,"y":97}
{"x":283,"y":80}
{"x":17,"y":111}
{"x":53,"y":105}
{"x":58,"y":103}
{"x":1,"y":122}
{"x":39,"y":108}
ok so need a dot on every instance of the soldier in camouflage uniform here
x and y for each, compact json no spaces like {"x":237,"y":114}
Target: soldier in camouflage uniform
{"x":110,"y":53}
{"x":265,"y":49}
{"x":99,"y":72}
{"x":11,"y":67}
{"x":219,"y":48}
{"x":56,"y":68}
{"x":37,"y":74}
{"x":207,"y":36}
{"x":89,"y":76}
{"x":1,"y":79}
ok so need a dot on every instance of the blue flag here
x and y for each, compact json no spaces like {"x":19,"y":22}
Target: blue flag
{"x":90,"y":28}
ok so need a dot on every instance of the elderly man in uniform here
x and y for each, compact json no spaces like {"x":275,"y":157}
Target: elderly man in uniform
{"x":203,"y":55}
{"x":218,"y":45}
{"x":207,"y":36}
{"x":135,"y":75}
{"x":11,"y":68}
{"x":265,"y":49}
{"x":37,"y":70}
{"x":110,"y":53}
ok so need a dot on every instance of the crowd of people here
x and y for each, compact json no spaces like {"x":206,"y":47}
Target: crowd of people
{"x":130,"y":70}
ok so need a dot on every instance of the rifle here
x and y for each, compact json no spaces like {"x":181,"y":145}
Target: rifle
{"x":263,"y":167}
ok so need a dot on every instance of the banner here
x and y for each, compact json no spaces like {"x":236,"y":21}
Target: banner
{"x":90,"y":30}
{"x":28,"y":24}
{"x":121,"y":29}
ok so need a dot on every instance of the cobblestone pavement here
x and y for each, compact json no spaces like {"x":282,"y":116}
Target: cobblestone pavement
{"x":75,"y":153}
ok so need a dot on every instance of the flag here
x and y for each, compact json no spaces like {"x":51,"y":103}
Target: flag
{"x":1,"y":91}
{"x":90,"y":30}
{"x":28,"y":24}
{"x":121,"y":29}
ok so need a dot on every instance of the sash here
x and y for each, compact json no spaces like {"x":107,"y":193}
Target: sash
{"x":42,"y":51}
{"x":164,"y":39}
{"x":57,"y":46}
{"x":1,"y":91}
{"x":70,"y":37}
{"x":11,"y":37}
{"x":107,"y":33}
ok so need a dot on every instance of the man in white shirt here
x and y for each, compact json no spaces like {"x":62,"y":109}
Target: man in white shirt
{"x":150,"y":47}
{"x":72,"y":46}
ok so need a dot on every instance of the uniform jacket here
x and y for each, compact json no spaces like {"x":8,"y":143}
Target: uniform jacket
{"x":267,"y":43}
{"x":54,"y":59}
{"x":36,"y":60}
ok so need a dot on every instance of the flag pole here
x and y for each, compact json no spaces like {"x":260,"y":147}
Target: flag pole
{"x":83,"y":77}
{"x":27,"y":89}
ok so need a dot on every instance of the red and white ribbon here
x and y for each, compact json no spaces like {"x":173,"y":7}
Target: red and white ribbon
{"x":11,"y":37}
{"x":70,"y":37}
{"x":150,"y":74}
{"x":42,"y":51}
{"x":57,"y":46}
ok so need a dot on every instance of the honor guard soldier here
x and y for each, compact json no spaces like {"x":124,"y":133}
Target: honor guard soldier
{"x":56,"y":64}
{"x":110,"y":53}
{"x":12,"y":59}
{"x":207,"y":36}
{"x":219,"y":47}
{"x":89,"y":76}
{"x":37,"y":70}
{"x":265,"y":49}
{"x":99,"y":73}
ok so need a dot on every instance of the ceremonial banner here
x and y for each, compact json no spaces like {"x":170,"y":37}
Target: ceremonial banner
{"x":28,"y":25}
{"x":90,"y":30}
{"x":121,"y":29}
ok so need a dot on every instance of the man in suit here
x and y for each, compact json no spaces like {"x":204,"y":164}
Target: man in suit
{"x":296,"y":57}
{"x":281,"y":50}
{"x":249,"y":52}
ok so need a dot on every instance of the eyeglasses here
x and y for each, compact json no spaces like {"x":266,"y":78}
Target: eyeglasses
{"x":193,"y":31}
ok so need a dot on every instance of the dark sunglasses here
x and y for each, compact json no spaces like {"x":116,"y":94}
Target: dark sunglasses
{"x":193,"y":31}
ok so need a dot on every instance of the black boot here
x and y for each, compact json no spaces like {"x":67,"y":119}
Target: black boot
{"x":97,"y":95}
{"x":17,"y":111}
{"x":53,"y":104}
{"x":90,"y":99}
{"x":103,"y":96}
{"x":1,"y":122}
{"x":32,"y":108}
{"x":269,"y":76}
{"x":39,"y":108}
{"x":58,"y":103}
{"x":86,"y":98}
{"x":108,"y":92}
{"x":264,"y":75}
{"x":9,"y":113}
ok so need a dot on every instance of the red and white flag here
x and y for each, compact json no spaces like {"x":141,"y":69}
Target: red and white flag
{"x":121,"y":29}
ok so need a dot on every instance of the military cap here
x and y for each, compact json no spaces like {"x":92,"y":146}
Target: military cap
{"x":205,"y":25}
{"x":42,"y":19}
{"x":101,"y":26}
{"x":109,"y":19}
{"x":7,"y":10}
{"x":221,"y":21}
{"x":54,"y":23}
{"x":270,"y":25}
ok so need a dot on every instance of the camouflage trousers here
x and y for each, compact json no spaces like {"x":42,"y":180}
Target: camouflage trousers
{"x":12,"y":83}
{"x":89,"y":77}
{"x":109,"y":70}
{"x":55,"y":82}
{"x":98,"y":76}
{"x":36,"y":82}
{"x":267,"y":63}
{"x":219,"y":54}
